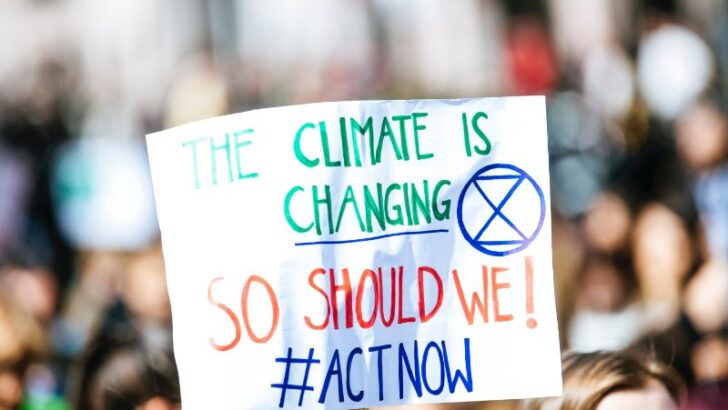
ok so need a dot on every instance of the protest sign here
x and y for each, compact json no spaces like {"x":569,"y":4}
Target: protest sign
{"x":356,"y":254}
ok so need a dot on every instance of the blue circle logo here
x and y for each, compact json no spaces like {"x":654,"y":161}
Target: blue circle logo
{"x":501,"y":210}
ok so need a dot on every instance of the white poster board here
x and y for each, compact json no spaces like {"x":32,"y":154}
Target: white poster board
{"x":356,"y":254}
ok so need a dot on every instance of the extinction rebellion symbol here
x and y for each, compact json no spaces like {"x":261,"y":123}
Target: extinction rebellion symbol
{"x":501,"y":210}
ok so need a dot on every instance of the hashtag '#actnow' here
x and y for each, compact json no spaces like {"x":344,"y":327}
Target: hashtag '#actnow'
{"x":286,"y":384}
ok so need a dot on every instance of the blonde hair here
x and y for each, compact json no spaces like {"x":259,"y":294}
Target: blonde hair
{"x":589,"y":377}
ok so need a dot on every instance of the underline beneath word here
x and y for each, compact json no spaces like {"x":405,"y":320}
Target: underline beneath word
{"x":371,"y":238}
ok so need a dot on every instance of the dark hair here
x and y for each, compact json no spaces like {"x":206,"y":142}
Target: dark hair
{"x":589,"y":377}
{"x":121,"y":372}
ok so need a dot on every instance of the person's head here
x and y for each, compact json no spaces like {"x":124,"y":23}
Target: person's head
{"x":663,"y":257}
{"x":122,"y":370}
{"x":11,"y":389}
{"x":613,"y":380}
{"x":133,"y":378}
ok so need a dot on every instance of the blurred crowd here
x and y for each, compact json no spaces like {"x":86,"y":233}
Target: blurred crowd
{"x":637,"y":101}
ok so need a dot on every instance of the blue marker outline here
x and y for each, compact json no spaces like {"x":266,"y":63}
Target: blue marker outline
{"x":371,"y":238}
{"x":497,"y":210}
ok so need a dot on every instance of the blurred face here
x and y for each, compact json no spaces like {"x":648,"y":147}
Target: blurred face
{"x":10,"y":390}
{"x":602,"y":288}
{"x":662,"y":251}
{"x":702,"y":136}
{"x":145,"y":290}
{"x":704,"y":299}
{"x":709,"y":359}
{"x":32,"y":290}
{"x":607,"y":223}
{"x":654,"y":396}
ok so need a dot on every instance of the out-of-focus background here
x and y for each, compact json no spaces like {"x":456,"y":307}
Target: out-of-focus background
{"x":637,"y":95}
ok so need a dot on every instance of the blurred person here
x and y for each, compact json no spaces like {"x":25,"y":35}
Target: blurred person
{"x":28,"y":295}
{"x":674,"y":69}
{"x":607,"y":223}
{"x":705,"y":299}
{"x":694,"y":342}
{"x":127,"y":362}
{"x":22,"y":338}
{"x":88,"y":297}
{"x":605,"y":317}
{"x":11,"y":389}
{"x":32,"y":127}
{"x":144,"y":287}
{"x":709,"y":359}
{"x":21,"y":335}
{"x":144,"y":294}
{"x":605,"y":314}
{"x":611,"y":381}
{"x":121,"y":370}
{"x":702,"y":141}
{"x":663,"y":257}
{"x":106,"y":279}
{"x":702,"y":136}
{"x":706,"y":305}
{"x":31,"y":288}
{"x":710,"y":363}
